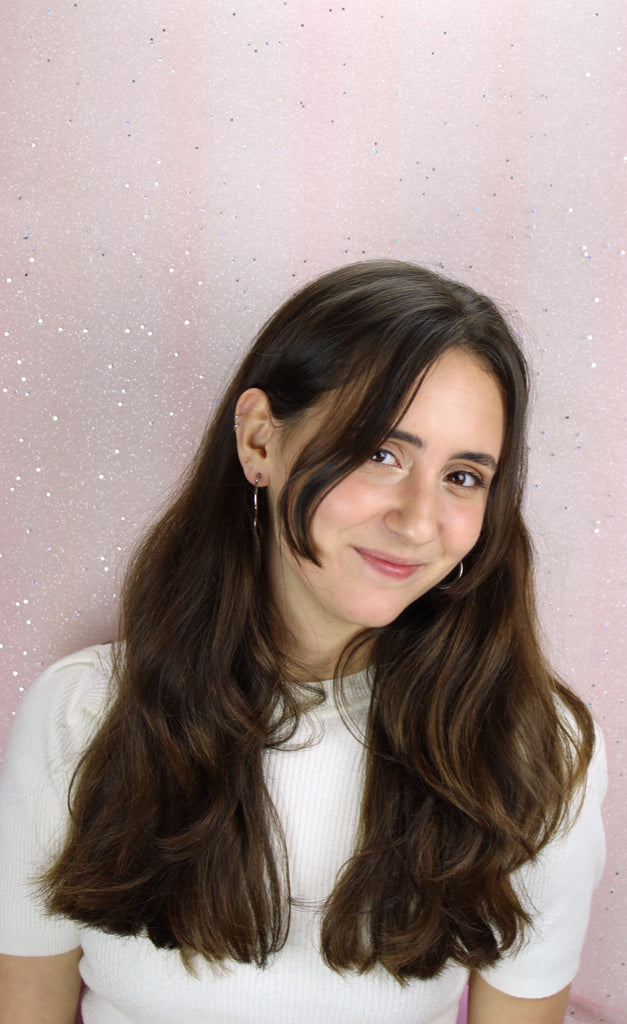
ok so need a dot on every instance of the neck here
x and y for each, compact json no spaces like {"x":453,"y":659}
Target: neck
{"x":314,"y":659}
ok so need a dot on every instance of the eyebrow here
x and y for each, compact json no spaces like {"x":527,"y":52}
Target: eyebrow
{"x":481,"y":458}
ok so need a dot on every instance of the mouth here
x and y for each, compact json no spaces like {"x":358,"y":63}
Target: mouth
{"x":389,"y":565}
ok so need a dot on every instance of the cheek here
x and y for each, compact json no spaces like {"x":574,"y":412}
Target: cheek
{"x":342,"y":508}
{"x":463,"y":526}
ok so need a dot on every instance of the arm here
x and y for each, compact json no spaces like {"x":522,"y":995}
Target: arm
{"x":486,"y":1005}
{"x":39,"y":989}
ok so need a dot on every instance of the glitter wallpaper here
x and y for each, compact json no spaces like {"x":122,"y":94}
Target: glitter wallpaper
{"x":170,"y":173}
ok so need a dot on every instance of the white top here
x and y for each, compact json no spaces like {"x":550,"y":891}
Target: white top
{"x":317,"y":791}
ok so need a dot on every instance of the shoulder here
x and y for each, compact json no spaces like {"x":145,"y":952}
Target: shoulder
{"x":597,"y":778}
{"x":56,"y":719}
{"x":580,"y":835}
{"x":63,"y":708}
{"x":582,"y":829}
{"x":592,"y":790}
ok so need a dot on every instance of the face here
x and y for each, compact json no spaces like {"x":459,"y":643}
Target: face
{"x":400,"y":523}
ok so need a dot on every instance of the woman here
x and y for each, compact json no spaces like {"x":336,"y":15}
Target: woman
{"x":328,"y":776}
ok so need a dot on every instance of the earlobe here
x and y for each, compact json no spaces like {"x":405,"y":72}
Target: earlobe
{"x":254,"y":430}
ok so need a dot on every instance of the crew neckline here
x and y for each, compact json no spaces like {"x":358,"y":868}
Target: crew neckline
{"x":356,"y":690}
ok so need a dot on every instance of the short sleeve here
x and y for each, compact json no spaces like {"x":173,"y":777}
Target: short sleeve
{"x":557,"y":889}
{"x":54,"y":722}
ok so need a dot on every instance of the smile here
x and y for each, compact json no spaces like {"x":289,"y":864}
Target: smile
{"x":389,"y":565}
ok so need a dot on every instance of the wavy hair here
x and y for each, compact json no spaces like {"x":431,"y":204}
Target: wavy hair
{"x":474,"y":749}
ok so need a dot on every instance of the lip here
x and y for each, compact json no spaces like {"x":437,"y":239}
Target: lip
{"x":389,"y":565}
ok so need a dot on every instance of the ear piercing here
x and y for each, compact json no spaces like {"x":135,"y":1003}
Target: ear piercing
{"x":256,"y":500}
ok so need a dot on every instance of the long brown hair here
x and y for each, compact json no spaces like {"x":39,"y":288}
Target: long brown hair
{"x":474,"y":749}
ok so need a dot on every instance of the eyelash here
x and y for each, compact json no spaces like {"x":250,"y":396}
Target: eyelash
{"x":382,"y":451}
{"x":478,"y":481}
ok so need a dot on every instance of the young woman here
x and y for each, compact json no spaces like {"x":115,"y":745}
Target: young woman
{"x":327,"y":776}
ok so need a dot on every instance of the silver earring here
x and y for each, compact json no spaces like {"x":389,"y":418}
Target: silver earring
{"x":236,"y":420}
{"x":451,"y":583}
{"x":256,"y":500}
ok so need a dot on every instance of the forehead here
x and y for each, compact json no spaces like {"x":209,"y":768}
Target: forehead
{"x":458,"y":388}
{"x":458,"y":396}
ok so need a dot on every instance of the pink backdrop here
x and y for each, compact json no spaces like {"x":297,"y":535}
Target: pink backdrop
{"x":171,"y":172}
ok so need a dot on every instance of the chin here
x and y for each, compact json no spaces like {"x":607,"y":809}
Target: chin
{"x":380,"y":620}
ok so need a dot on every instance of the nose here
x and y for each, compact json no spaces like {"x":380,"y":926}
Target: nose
{"x":414,"y":512}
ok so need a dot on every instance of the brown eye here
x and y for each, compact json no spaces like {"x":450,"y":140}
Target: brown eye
{"x":383,"y":457}
{"x":464,"y":478}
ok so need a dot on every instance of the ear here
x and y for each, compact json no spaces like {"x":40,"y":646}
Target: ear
{"x":255,"y":430}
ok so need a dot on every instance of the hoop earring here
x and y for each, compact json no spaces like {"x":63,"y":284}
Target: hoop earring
{"x":256,"y":501}
{"x":451,"y":583}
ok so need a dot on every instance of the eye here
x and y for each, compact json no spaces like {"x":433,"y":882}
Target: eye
{"x":384,"y":457}
{"x":465,"y":479}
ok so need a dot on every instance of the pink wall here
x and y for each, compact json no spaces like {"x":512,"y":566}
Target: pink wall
{"x":171,"y":172}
